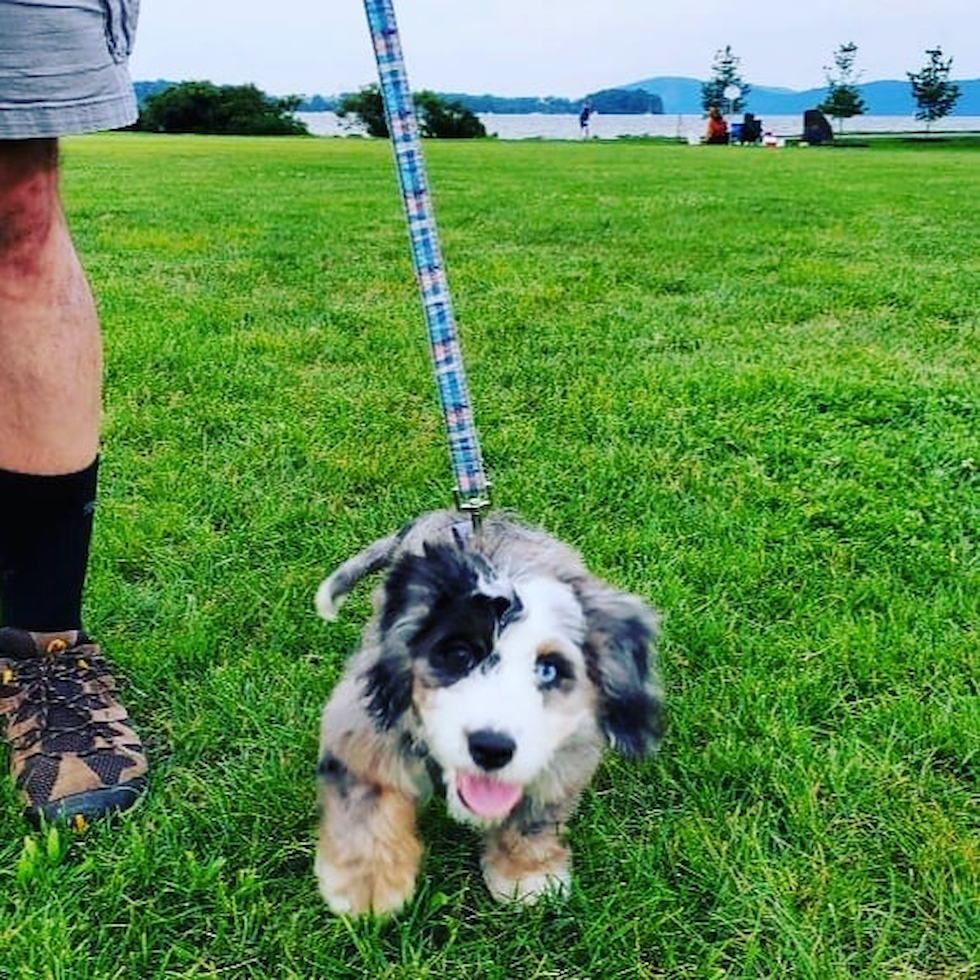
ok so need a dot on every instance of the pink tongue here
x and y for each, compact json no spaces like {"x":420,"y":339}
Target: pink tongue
{"x":487,"y":797}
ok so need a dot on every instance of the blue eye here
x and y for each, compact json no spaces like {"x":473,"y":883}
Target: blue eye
{"x":551,"y":669}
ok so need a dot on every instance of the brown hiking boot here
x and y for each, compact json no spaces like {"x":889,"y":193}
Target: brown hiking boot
{"x":73,"y":754}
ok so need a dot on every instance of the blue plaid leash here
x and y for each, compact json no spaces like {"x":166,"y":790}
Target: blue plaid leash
{"x":472,"y":487}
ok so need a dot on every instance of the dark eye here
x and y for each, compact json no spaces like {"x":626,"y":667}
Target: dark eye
{"x":453,"y":659}
{"x":551,"y":669}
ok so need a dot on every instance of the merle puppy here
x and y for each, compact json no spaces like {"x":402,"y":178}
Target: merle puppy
{"x":495,"y":665}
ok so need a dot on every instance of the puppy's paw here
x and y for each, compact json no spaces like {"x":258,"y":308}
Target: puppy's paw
{"x":519,"y":868}
{"x":365,"y":889}
{"x":368,"y":855}
{"x":527,"y":889}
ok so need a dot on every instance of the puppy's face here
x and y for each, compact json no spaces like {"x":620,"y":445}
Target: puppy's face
{"x":495,"y":671}
{"x":498,"y":691}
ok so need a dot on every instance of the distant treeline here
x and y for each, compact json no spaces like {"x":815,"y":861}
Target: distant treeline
{"x":631,"y":101}
{"x":672,"y":95}
{"x":614,"y":100}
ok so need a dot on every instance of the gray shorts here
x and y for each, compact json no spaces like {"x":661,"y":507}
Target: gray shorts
{"x":63,"y":66}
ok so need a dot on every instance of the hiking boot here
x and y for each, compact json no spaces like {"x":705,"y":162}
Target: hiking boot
{"x":73,"y":754}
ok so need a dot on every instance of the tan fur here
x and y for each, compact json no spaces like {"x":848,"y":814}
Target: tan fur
{"x":370,"y":857}
{"x":347,"y":731}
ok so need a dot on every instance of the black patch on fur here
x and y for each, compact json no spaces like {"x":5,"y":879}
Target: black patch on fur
{"x":511,"y":610}
{"x":426,"y":581}
{"x":330,"y":768}
{"x":457,"y":639}
{"x":388,"y":688}
{"x":634,"y":721}
{"x":411,"y":747}
{"x":456,"y":624}
{"x":334,"y":773}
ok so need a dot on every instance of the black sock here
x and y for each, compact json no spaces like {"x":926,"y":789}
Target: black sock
{"x":45,"y":530}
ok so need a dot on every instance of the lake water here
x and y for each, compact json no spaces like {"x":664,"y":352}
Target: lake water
{"x":690,"y":127}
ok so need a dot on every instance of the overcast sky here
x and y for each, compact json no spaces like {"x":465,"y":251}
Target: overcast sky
{"x":545,"y":47}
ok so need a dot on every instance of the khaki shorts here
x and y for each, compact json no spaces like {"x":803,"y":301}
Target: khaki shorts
{"x":63,"y":66}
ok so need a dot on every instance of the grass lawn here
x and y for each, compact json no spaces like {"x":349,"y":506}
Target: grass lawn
{"x":742,"y":382}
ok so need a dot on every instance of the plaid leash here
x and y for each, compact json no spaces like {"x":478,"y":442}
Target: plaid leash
{"x":472,"y":487}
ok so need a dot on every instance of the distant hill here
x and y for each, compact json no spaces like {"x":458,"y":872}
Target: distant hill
{"x":883,"y":98}
{"x":672,"y":94}
{"x":145,"y":89}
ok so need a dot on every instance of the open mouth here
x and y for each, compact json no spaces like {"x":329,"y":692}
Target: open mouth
{"x":487,"y":797}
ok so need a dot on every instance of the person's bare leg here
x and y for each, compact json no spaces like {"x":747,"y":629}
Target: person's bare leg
{"x":50,"y":347}
{"x":73,"y":753}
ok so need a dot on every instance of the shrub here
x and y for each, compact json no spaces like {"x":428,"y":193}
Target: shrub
{"x":221,"y":110}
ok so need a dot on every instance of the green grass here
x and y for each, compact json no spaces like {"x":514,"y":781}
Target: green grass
{"x":743,"y":383}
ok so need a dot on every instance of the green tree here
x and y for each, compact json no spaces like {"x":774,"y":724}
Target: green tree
{"x":934,"y":94}
{"x":438,"y":117}
{"x":724,"y":74}
{"x":225,"y":110}
{"x":367,"y":106}
{"x":626,"y":101}
{"x":843,"y":96}
{"x":441,"y":118}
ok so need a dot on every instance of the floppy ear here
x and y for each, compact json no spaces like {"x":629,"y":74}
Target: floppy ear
{"x":620,"y":650}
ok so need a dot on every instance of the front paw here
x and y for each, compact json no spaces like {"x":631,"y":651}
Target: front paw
{"x":368,"y":854}
{"x":527,"y":889}
{"x":520,"y":868}
{"x":363,"y":887}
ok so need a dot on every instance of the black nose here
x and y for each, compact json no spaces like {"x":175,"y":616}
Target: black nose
{"x":491,"y":750}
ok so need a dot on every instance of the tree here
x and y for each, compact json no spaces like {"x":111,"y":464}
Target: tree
{"x":437,"y":117}
{"x":367,"y":105}
{"x":724,"y":73}
{"x":934,"y":93}
{"x":843,"y":97}
{"x":626,"y":101}
{"x":445,"y":119}
{"x":224,"y":110}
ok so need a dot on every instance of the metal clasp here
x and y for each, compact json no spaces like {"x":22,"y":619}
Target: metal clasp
{"x":474,"y":504}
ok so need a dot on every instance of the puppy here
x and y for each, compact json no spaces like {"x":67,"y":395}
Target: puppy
{"x":495,"y":665}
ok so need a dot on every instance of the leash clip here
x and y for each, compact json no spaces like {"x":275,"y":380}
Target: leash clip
{"x":473,"y":503}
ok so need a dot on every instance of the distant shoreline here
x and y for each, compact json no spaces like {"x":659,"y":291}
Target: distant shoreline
{"x":683,"y":126}
{"x":882,"y":97}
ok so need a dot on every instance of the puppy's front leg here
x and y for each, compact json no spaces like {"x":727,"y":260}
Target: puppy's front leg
{"x":368,"y":853}
{"x":526,"y":859}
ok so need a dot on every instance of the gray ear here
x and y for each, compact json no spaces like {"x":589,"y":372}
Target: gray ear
{"x":620,"y":649}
